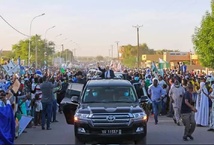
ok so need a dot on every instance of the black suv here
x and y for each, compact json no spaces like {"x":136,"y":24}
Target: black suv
{"x":107,"y":111}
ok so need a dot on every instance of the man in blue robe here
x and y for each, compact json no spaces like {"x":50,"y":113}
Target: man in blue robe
{"x":7,"y":125}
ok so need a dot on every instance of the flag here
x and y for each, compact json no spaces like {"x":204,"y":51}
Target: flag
{"x":5,"y":86}
{"x":22,"y":70}
{"x":154,"y":68}
{"x":163,"y":64}
{"x":11,"y":68}
{"x":39,"y":73}
{"x":62,"y":70}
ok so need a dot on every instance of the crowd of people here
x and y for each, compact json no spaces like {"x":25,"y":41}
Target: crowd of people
{"x":185,"y":96}
{"x":38,"y":96}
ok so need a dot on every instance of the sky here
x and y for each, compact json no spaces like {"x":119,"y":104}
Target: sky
{"x":93,"y":26}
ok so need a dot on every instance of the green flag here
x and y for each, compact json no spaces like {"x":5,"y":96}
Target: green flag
{"x":62,"y":70}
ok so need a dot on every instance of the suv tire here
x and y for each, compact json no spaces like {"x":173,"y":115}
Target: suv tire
{"x":78,"y":142}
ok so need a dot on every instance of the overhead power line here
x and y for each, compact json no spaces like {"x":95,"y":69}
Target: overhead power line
{"x":13,"y":27}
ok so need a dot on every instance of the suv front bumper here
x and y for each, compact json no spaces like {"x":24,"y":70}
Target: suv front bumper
{"x":89,"y":134}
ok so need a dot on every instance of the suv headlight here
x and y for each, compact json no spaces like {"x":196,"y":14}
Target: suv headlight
{"x":141,"y":115}
{"x":79,"y":116}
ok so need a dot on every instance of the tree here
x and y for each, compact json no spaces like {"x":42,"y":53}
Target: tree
{"x":21,"y":49}
{"x":129,"y":54}
{"x":203,"y":39}
{"x":99,"y":58}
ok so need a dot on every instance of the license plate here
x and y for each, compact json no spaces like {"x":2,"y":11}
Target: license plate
{"x":111,"y":131}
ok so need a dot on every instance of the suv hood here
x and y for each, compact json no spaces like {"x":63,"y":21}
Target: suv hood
{"x":110,"y":108}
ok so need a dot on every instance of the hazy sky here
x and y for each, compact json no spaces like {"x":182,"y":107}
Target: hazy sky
{"x":95,"y":25}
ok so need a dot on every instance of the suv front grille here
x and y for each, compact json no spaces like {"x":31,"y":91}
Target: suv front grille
{"x":110,"y":120}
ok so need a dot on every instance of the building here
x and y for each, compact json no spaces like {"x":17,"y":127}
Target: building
{"x":147,"y":59}
{"x":173,"y":58}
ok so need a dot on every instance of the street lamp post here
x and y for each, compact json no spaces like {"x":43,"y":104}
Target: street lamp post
{"x":36,"y":51}
{"x":30,"y":36}
{"x":46,"y":35}
{"x":138,"y":45}
{"x":46,"y":41}
{"x":117,"y":42}
{"x":66,"y":58}
{"x":57,"y":37}
{"x":112,"y":50}
{"x":63,"y":46}
{"x":109,"y":53}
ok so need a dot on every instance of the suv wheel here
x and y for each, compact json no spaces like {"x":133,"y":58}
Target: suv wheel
{"x":142,"y":141}
{"x":78,"y":142}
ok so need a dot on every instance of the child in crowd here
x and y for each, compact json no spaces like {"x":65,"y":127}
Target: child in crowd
{"x":38,"y":109}
{"x":28,"y":106}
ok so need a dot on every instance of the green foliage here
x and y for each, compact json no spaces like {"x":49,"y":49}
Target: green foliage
{"x":130,"y":62}
{"x":21,"y":49}
{"x":99,"y":58}
{"x":203,"y":39}
{"x":66,"y":55}
{"x":6,"y":55}
{"x":129,"y":54}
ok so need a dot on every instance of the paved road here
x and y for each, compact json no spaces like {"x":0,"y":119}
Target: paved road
{"x":166,"y":132}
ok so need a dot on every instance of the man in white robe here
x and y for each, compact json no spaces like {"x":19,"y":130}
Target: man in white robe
{"x":202,"y":105}
{"x":176,"y":93}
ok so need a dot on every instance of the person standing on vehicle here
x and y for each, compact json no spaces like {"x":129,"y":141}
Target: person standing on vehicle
{"x":187,"y":113}
{"x":47,"y":101}
{"x":155,"y":91}
{"x":107,"y":73}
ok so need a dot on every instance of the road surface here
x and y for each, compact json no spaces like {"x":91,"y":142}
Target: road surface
{"x":166,"y":132}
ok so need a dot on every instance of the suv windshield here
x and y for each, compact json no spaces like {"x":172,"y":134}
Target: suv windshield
{"x":109,"y":94}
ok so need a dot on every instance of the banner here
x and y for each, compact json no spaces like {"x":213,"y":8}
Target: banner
{"x":11,"y":68}
{"x":5,"y":85}
{"x":23,"y":122}
{"x":16,"y":86}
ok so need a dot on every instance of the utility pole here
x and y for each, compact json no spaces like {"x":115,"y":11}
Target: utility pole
{"x":36,"y":51}
{"x":74,"y":52}
{"x":112,"y":49}
{"x":66,"y":58}
{"x":138,"y":45}
{"x":109,"y":53}
{"x":117,"y":42}
{"x":62,"y":51}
